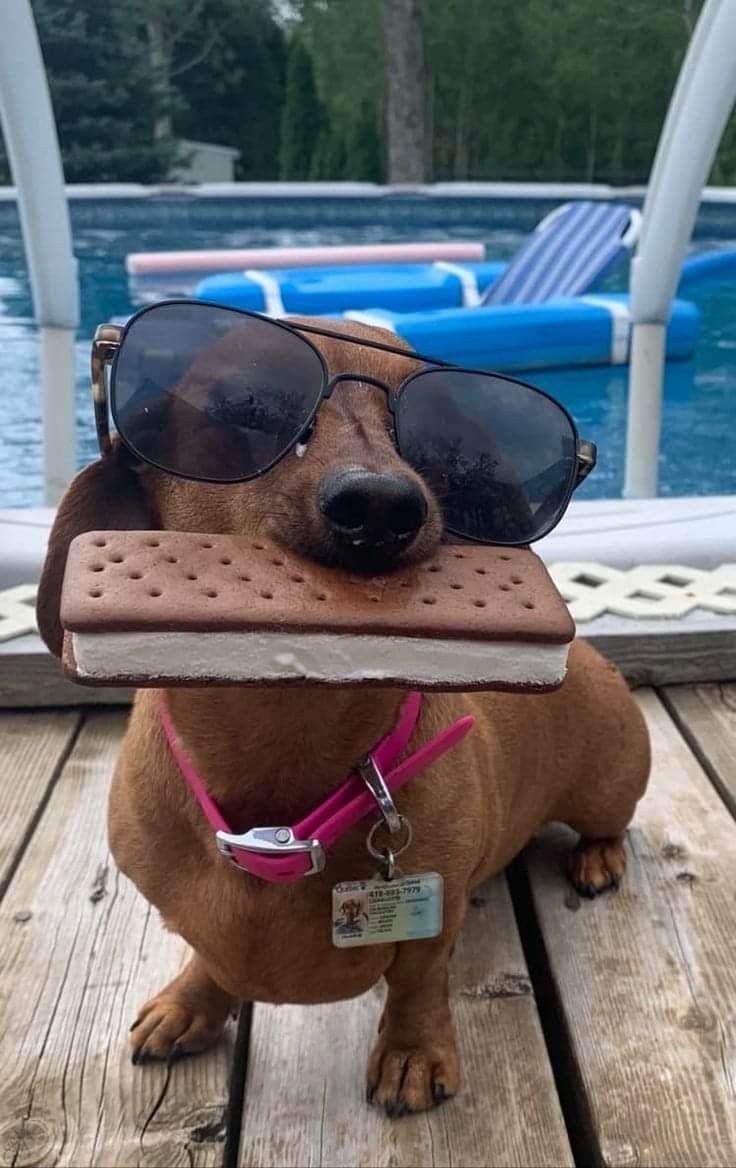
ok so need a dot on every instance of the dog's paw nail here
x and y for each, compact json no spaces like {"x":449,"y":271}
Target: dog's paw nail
{"x":137,"y":1057}
{"x":439,"y":1093}
{"x":395,"y":1110}
{"x":369,"y":1093}
{"x":135,"y":1025}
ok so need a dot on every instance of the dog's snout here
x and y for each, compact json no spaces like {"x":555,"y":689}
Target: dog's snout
{"x":372,"y":510}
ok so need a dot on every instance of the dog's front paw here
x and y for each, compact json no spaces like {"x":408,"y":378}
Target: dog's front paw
{"x":596,"y":865}
{"x":166,"y":1028}
{"x":403,"y":1079}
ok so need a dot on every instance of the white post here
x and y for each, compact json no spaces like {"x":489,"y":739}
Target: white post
{"x":700,"y":106}
{"x":35,"y":162}
{"x":645,"y":410}
{"x":57,"y":403}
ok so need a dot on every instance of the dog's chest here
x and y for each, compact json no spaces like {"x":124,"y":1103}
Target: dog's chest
{"x":274,"y":942}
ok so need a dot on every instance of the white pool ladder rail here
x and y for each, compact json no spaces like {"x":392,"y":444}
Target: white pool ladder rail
{"x":699,"y":109}
{"x":35,"y":162}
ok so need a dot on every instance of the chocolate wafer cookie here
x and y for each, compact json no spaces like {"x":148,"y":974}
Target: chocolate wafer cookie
{"x":153,"y":608}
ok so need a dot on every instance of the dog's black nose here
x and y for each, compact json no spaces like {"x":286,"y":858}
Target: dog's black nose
{"x":375,"y":512}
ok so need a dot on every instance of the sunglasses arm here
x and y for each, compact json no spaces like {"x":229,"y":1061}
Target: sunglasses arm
{"x":104,"y":347}
{"x":587,"y":455}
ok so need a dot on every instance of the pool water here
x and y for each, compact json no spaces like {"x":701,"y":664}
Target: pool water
{"x":698,"y":455}
{"x":698,"y":446}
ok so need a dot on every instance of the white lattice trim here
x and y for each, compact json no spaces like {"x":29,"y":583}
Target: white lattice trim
{"x":651,"y":590}
{"x":17,"y":611}
{"x":589,"y":589}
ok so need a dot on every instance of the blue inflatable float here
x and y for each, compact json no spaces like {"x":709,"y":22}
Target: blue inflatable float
{"x":435,"y":308}
{"x":589,"y":330}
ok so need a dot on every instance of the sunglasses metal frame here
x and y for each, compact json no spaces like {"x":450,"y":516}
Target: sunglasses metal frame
{"x":109,"y":338}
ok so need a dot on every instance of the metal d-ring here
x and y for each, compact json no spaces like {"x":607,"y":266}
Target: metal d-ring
{"x":385,"y":853}
{"x":376,"y":784}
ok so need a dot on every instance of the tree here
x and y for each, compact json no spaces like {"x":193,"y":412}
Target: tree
{"x":103,"y":93}
{"x":336,"y":89}
{"x":483,"y":90}
{"x":608,"y":75}
{"x":303,"y":117}
{"x":405,"y":100}
{"x":234,"y":94}
{"x":344,"y":44}
{"x":124,"y":88}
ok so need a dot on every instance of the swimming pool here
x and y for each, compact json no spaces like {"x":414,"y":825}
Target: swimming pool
{"x":699,"y":430}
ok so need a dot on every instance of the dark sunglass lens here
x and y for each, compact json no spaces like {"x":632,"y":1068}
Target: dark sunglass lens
{"x":499,"y":455}
{"x":206,"y":392}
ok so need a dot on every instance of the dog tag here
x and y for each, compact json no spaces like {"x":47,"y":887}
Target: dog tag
{"x":372,"y":912}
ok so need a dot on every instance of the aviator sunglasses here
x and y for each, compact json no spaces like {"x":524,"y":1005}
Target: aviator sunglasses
{"x":221,"y":395}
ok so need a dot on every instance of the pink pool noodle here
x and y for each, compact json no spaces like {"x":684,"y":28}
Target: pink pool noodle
{"x":150,"y":263}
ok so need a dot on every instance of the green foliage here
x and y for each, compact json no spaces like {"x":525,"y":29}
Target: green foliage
{"x":302,"y":122}
{"x":516,"y":89}
{"x":550,"y":89}
{"x":127,"y":80}
{"x":606,"y":99}
{"x":344,"y":43}
{"x":103,"y":92}
{"x":482,"y":96}
{"x":230,"y":70}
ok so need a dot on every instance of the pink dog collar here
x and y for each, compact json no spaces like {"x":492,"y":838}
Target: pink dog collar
{"x":284,"y":854}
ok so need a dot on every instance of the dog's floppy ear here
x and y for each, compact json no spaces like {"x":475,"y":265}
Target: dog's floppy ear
{"x":107,"y":495}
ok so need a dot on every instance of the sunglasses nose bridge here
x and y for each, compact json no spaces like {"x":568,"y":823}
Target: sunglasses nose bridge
{"x":359,"y":379}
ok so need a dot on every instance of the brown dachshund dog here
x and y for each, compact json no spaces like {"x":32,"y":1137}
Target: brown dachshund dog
{"x":580,"y":755}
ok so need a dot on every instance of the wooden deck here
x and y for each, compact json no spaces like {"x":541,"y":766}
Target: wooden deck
{"x":592,"y":1033}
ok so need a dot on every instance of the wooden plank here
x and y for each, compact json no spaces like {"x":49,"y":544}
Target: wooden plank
{"x":647,"y":977}
{"x":305,"y":1094}
{"x":706,"y":716}
{"x":31,"y":677}
{"x":74,"y":966}
{"x":32,"y":747}
{"x":664,"y":657}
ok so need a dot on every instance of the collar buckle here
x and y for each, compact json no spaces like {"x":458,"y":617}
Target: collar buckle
{"x":270,"y":841}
